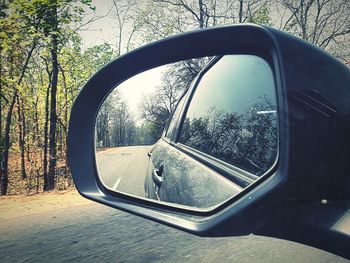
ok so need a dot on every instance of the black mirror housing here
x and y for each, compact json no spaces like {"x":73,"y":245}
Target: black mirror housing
{"x":297,"y":200}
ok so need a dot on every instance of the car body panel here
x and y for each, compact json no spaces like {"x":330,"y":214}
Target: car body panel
{"x":186,"y":181}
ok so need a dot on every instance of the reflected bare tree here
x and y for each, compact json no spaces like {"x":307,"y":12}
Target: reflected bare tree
{"x":158,"y":106}
{"x":247,"y":140}
{"x":104,"y":119}
{"x":115,"y":124}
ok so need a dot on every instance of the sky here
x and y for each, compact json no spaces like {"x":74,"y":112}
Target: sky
{"x":104,"y":30}
{"x":101,"y":30}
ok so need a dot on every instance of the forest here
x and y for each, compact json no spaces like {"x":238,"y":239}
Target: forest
{"x":44,"y":63}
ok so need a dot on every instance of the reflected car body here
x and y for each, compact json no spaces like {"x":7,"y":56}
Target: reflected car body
{"x":223,"y":122}
{"x":175,"y":177}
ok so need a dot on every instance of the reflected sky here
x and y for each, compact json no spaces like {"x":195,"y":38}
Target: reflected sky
{"x":133,"y":89}
{"x":233,"y":85}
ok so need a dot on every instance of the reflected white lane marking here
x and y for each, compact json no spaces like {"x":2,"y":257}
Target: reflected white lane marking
{"x":116,"y":184}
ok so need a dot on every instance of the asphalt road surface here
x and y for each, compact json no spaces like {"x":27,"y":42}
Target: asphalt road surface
{"x":95,"y":233}
{"x":124,"y":168}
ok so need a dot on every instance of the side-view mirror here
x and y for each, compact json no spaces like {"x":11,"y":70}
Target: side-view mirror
{"x":224,"y":131}
{"x":228,"y":123}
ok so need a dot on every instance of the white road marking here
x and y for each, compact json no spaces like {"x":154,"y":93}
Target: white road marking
{"x":116,"y":184}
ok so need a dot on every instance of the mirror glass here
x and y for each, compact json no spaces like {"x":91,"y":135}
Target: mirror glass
{"x":193,"y":133}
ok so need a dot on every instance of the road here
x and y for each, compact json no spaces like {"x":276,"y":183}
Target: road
{"x":95,"y":233}
{"x":124,"y":168}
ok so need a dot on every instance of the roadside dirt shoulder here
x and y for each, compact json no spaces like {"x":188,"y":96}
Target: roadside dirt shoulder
{"x":22,"y":205}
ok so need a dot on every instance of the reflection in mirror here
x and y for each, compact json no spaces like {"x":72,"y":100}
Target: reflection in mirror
{"x":239,"y":128}
{"x":131,"y":120}
{"x":230,"y":120}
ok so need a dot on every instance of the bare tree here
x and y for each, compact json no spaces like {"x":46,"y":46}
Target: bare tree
{"x":156,"y":19}
{"x":123,"y":15}
{"x":325,"y":23}
{"x":211,"y":12}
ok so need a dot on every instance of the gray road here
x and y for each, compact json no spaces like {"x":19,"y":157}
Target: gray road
{"x":95,"y":233}
{"x":124,"y":168}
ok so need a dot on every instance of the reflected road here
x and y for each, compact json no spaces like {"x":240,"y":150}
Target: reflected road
{"x":124,"y":168}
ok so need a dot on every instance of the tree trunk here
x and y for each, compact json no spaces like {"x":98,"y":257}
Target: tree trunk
{"x":46,"y":131}
{"x":36,"y":135}
{"x":53,"y":105}
{"x":240,"y":15}
{"x":64,"y":127}
{"x":1,"y":98}
{"x":201,"y":14}
{"x":24,"y":135}
{"x":21,"y":136}
{"x":52,"y":133}
{"x":53,"y":123}
{"x":5,"y":154}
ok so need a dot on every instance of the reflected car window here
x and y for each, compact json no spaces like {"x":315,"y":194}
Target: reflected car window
{"x":233,"y":114}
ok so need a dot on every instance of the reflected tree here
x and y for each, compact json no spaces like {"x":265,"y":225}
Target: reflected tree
{"x":158,"y":106}
{"x":247,"y":140}
{"x":115,"y":124}
{"x":103,"y":121}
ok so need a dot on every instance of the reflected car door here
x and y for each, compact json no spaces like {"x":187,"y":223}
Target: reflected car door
{"x":173,"y":176}
{"x":155,"y":175}
{"x":228,"y":121}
